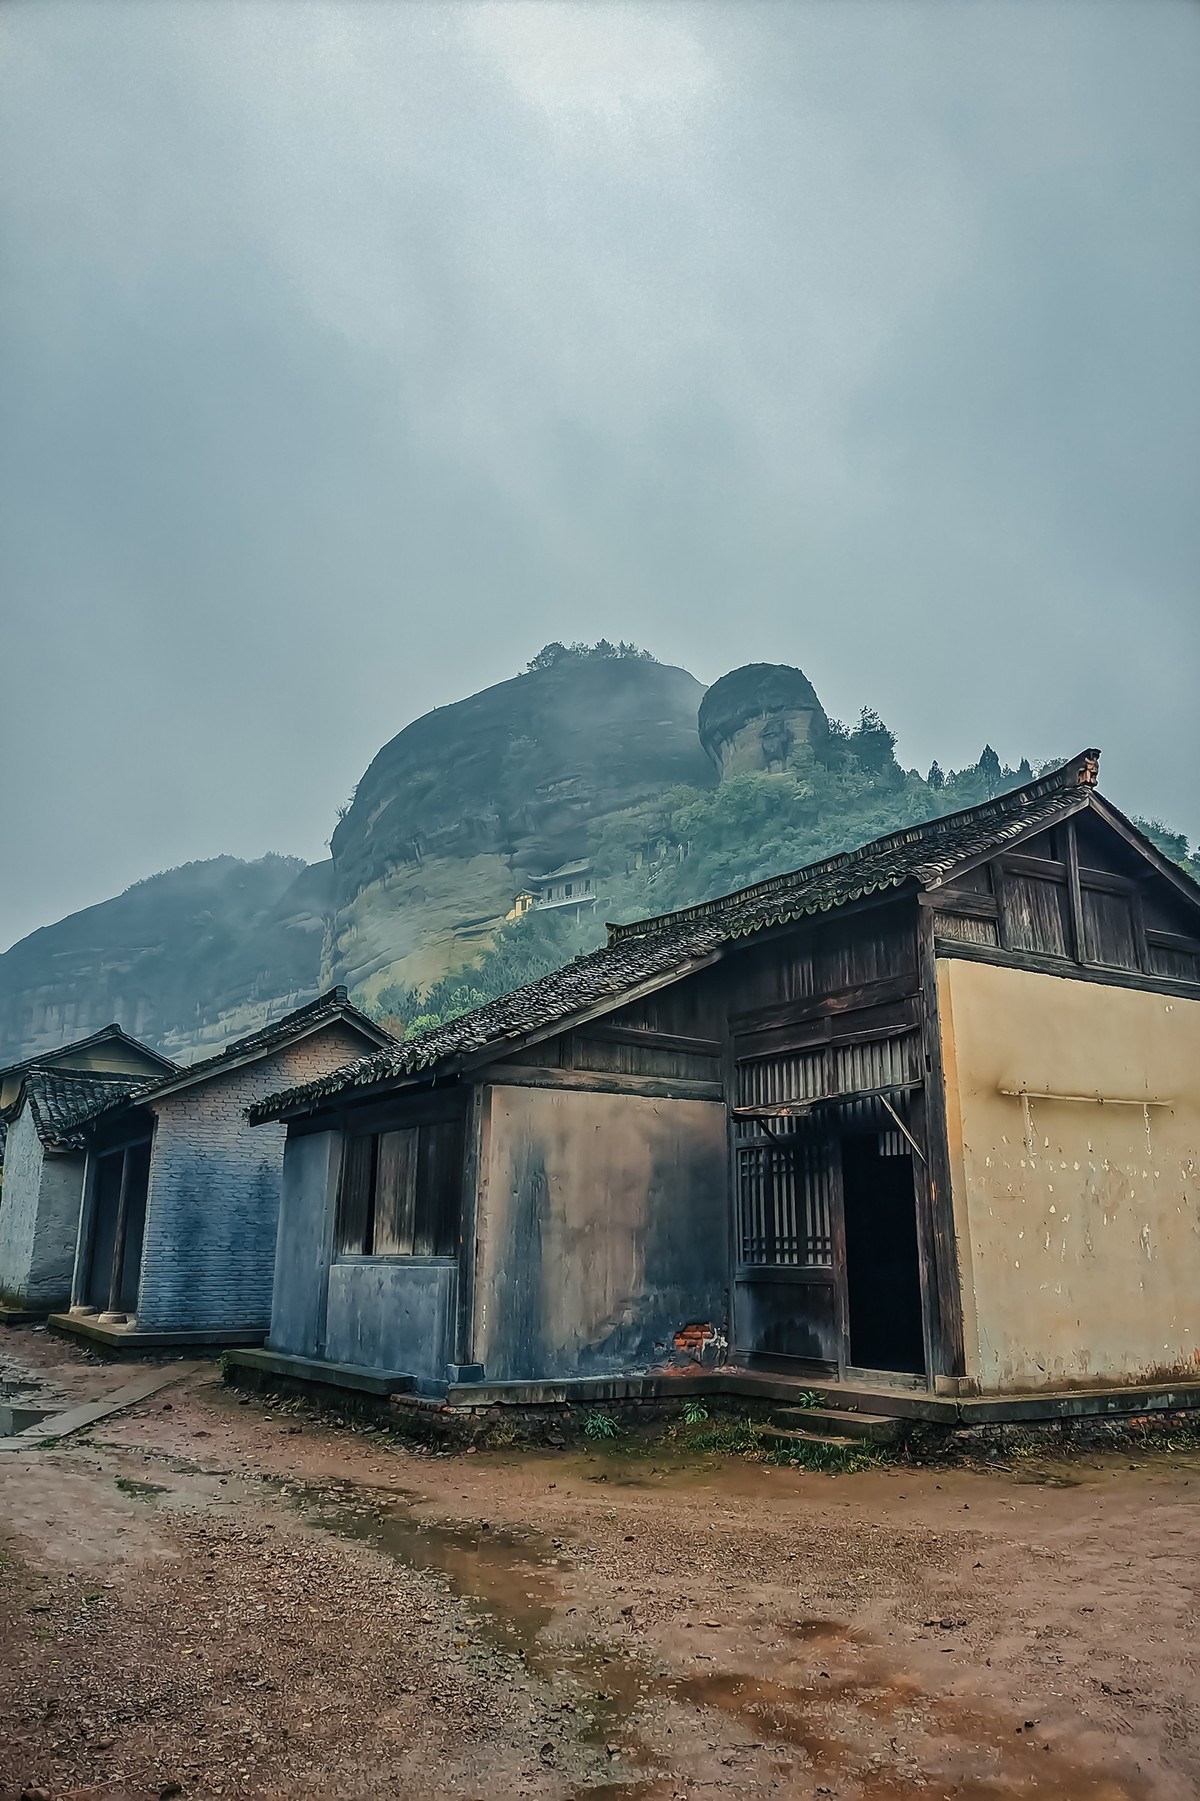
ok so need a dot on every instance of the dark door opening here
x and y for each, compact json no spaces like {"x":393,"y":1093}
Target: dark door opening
{"x":115,"y":1264}
{"x":883,"y":1278}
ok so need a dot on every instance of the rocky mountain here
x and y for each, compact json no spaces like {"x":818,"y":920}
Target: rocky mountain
{"x":665,"y":792}
{"x":470,"y":803}
{"x":185,"y":960}
{"x":452,"y":819}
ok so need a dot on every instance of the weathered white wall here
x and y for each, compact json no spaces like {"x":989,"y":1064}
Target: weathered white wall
{"x":1078,"y":1224}
{"x":208,"y":1253}
{"x":39,"y":1218}
{"x":304,"y":1242}
{"x":603,"y":1230}
{"x":19,"y":1205}
{"x":57,"y":1229}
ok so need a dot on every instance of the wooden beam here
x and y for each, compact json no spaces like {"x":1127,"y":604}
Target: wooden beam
{"x":1046,"y":869}
{"x":1075,"y":802}
{"x":1173,"y":941}
{"x":1075,"y":894}
{"x":801,"y":1109}
{"x":961,"y":900}
{"x":658,"y":1041}
{"x":1037,"y":964}
{"x":85,"y":1235}
{"x":118,"y":1258}
{"x":844,"y":1000}
{"x":588,"y":1081}
{"x":944,"y":1291}
{"x":475,"y":1167}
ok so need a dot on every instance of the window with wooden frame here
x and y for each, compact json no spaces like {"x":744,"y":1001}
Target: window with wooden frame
{"x":400,"y":1192}
{"x":784,"y":1197}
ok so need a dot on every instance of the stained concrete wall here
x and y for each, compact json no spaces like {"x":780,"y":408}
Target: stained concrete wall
{"x":602,"y":1230}
{"x":212,"y":1209}
{"x":395,"y":1315}
{"x":39,"y":1218}
{"x":304,"y":1243}
{"x":1078,"y":1223}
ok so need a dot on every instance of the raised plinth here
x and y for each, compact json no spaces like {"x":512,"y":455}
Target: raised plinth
{"x":130,"y":1341}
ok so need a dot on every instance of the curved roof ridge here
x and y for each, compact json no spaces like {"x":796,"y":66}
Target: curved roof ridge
{"x":1066,"y":775}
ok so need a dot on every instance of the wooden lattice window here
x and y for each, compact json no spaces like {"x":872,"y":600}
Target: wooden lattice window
{"x":400,"y":1192}
{"x":785,"y":1201}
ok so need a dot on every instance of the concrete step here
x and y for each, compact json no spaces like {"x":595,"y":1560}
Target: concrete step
{"x":817,"y":1422}
{"x":321,"y":1373}
{"x":832,"y":1441}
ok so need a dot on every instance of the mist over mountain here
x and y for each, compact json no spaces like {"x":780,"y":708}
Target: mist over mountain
{"x":598,"y":758}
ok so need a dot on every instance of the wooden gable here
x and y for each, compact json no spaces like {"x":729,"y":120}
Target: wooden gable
{"x":1087,"y":891}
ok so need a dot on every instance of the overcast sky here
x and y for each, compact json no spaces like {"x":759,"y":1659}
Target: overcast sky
{"x":352,"y":352}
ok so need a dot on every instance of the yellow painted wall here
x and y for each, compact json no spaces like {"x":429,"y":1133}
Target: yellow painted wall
{"x":1078,"y":1224}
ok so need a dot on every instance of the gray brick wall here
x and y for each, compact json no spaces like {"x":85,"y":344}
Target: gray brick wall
{"x":208,"y":1253}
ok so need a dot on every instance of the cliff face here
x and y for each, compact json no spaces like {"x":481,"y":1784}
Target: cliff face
{"x":452,"y":818}
{"x":179,"y":960}
{"x":467,"y":804}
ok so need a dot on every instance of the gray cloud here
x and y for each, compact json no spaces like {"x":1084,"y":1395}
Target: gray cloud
{"x":353,"y":351}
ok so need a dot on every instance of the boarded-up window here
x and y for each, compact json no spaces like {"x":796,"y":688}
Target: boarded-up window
{"x":1037,"y":916}
{"x":401,"y":1192}
{"x":1108,"y":934}
{"x":1179,"y":963}
{"x":396,"y":1192}
{"x":964,"y":929}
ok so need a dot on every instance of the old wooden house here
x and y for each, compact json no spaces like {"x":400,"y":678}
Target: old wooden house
{"x":42,"y":1181}
{"x":921,"y":1118}
{"x":176,"y":1235}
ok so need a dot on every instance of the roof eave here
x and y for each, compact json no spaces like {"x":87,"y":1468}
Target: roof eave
{"x":220,"y":1065}
{"x":463,"y":1062}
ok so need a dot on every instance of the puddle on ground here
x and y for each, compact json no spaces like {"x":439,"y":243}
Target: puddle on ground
{"x":143,"y":1490}
{"x":512,"y":1579}
{"x":1044,"y":1476}
{"x":510,"y":1575}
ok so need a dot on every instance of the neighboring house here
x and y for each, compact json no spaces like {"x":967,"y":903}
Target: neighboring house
{"x":176,"y":1240}
{"x":42,"y":1184}
{"x":571,"y":887}
{"x":921,"y":1120}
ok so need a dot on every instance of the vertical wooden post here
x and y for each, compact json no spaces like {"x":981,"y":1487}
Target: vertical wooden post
{"x":118,"y":1261}
{"x":84,"y":1236}
{"x":474,"y":1183}
{"x":946,"y":1323}
{"x":831,"y":1151}
{"x":1075,"y":893}
{"x":733,"y":1197}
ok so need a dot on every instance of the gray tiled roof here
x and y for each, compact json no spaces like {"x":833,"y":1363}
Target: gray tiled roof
{"x":669,"y":946}
{"x":57,"y":1097}
{"x":112,"y":1034}
{"x":333,"y":1004}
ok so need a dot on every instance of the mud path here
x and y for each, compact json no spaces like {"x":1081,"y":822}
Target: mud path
{"x":210,"y":1597}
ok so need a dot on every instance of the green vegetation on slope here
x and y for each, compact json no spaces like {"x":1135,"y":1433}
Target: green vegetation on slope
{"x":696,"y":844}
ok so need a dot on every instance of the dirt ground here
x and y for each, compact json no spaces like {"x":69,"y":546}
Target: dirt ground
{"x":213,"y":1596}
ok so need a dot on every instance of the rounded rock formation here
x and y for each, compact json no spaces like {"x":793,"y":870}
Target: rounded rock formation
{"x":760,"y":717}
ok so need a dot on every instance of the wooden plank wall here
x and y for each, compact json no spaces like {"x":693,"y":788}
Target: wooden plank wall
{"x":1077,"y":895}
